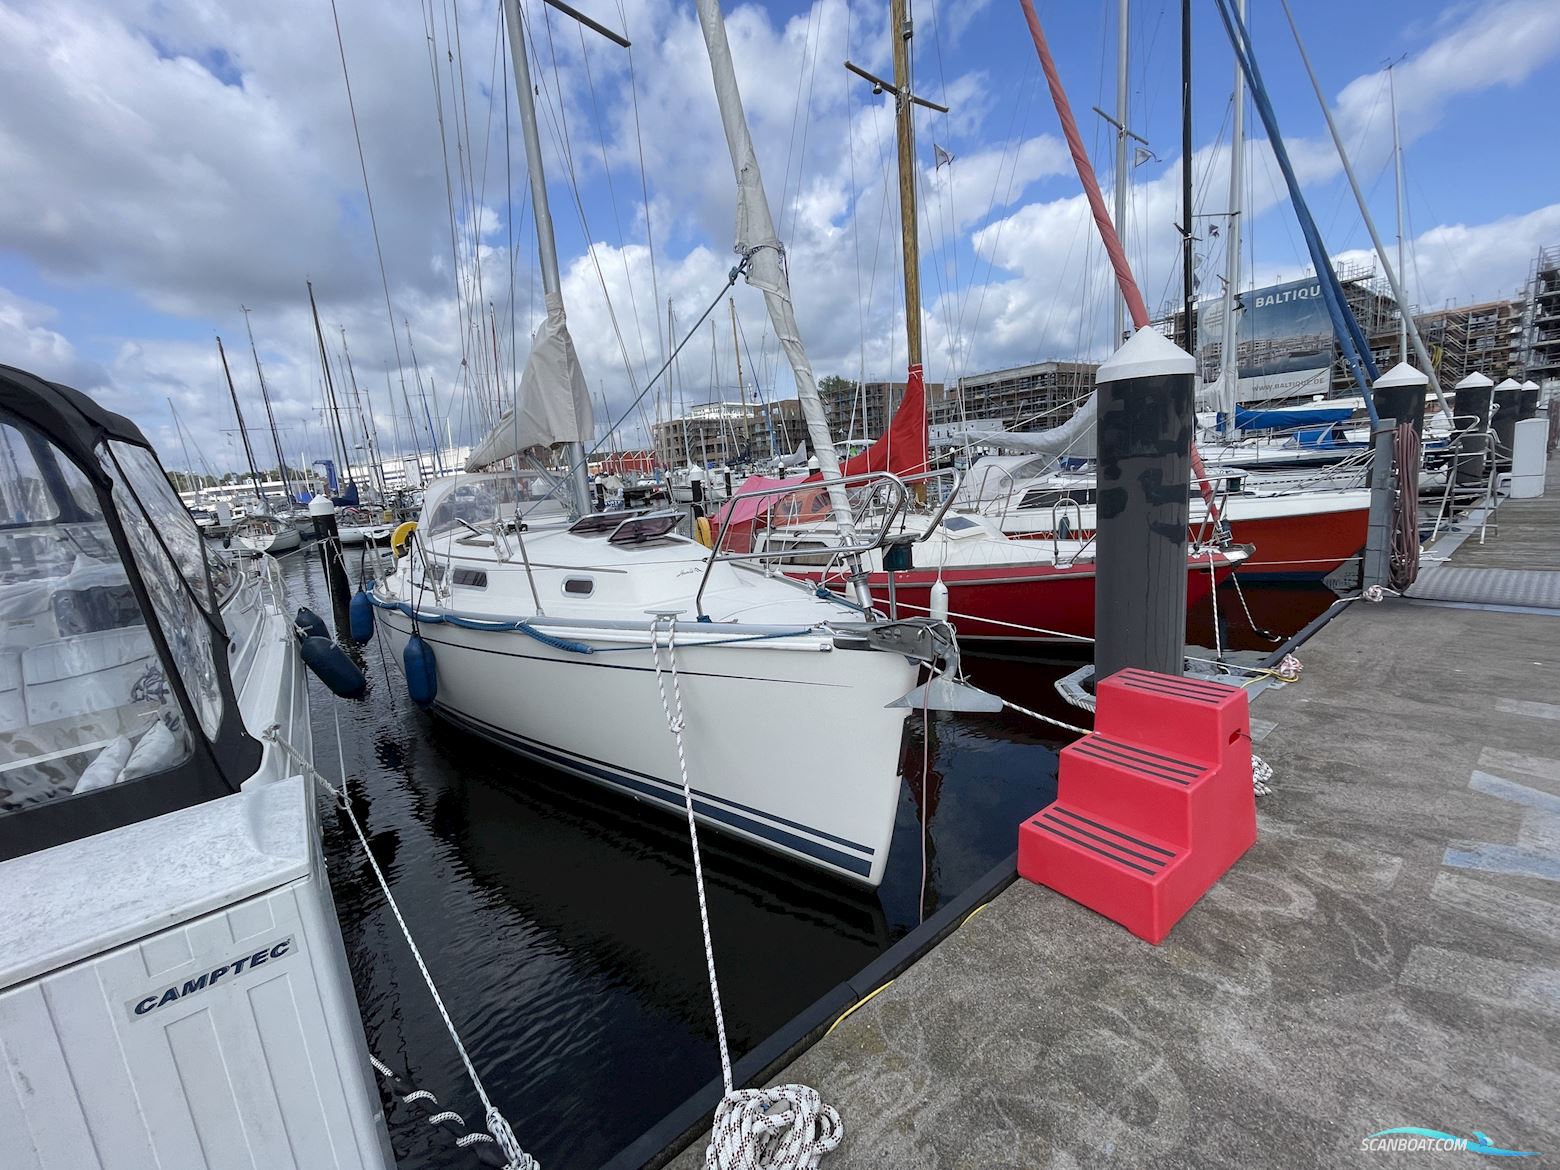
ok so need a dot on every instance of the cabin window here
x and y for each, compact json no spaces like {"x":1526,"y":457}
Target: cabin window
{"x":579,"y":586}
{"x":84,"y":701}
{"x":640,"y":529}
{"x":475,"y":578}
{"x":166,"y":545}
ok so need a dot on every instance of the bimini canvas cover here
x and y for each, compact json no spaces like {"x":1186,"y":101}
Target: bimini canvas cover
{"x":553,"y":403}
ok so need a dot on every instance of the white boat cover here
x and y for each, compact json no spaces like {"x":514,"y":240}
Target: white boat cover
{"x":1074,"y":438}
{"x":553,"y":403}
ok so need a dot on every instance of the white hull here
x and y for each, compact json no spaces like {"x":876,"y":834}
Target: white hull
{"x":284,"y":539}
{"x":792,"y":742}
{"x":789,"y":742}
{"x":363,"y":534}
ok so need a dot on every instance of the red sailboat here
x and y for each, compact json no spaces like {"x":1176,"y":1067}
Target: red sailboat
{"x":988,"y":584}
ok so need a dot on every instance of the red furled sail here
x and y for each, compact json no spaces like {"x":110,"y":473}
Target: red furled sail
{"x":902,"y":448}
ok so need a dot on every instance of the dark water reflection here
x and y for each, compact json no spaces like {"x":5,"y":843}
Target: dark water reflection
{"x":560,"y":921}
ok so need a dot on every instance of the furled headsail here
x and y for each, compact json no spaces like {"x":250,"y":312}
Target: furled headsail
{"x":553,"y":403}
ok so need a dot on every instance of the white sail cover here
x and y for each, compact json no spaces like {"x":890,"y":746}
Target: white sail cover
{"x":553,"y":403}
{"x":757,"y":241}
{"x":1074,"y":438}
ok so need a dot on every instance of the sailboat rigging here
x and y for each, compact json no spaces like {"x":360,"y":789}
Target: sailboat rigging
{"x":541,"y":617}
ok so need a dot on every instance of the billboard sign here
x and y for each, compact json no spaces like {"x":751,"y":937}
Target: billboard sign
{"x":1285,"y":341}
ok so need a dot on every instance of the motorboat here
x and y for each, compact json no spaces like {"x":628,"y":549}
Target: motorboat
{"x":172,"y":977}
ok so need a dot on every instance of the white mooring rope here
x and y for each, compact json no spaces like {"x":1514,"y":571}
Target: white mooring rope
{"x":515,"y":1157}
{"x":784,"y":1127}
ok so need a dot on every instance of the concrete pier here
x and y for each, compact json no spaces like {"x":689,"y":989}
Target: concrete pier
{"x":1386,"y":955}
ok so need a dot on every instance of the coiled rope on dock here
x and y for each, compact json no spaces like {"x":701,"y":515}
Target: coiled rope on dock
{"x":1403,"y":564}
{"x":783,"y":1127}
{"x":498,"y":1127}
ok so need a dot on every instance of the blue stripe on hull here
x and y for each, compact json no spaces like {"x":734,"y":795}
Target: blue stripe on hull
{"x":604,"y":773}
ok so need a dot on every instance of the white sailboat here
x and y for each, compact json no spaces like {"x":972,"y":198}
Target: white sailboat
{"x":547,"y":631}
{"x":173,"y":985}
{"x":267,"y":532}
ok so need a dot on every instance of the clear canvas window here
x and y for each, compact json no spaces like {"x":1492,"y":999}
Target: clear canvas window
{"x":84,"y":700}
{"x":167,"y":548}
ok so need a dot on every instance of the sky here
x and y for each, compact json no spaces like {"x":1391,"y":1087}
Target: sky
{"x":169,"y":163}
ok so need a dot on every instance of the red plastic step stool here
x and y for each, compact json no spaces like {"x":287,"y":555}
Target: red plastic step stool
{"x":1153,"y":806}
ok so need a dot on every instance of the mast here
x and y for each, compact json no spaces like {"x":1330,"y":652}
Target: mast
{"x":376,"y":473}
{"x":541,"y":212}
{"x":1120,"y":191}
{"x":679,"y":391}
{"x":1397,"y":155}
{"x":761,"y":251}
{"x":900,"y":31}
{"x":270,"y":417}
{"x":1188,"y":254}
{"x":1425,"y":362}
{"x":1229,"y":342}
{"x":182,"y":443}
{"x":330,"y":387}
{"x":422,"y":395}
{"x":747,"y":419}
{"x":249,"y":452}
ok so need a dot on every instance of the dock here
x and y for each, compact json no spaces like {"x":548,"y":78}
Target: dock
{"x":1386,"y":955}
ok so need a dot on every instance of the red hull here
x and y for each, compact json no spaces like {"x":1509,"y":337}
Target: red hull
{"x":1304,"y":545}
{"x":1309,"y":545}
{"x":1003,"y":602}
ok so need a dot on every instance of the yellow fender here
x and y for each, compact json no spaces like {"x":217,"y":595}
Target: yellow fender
{"x":701,"y":532}
{"x":400,"y":536}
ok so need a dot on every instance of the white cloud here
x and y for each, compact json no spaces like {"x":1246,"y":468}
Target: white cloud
{"x":28,"y":342}
{"x":196,"y":157}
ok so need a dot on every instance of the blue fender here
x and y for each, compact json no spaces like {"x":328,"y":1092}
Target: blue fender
{"x":422,"y":672}
{"x":361,"y":617}
{"x":331,"y":666}
{"x":312,"y":625}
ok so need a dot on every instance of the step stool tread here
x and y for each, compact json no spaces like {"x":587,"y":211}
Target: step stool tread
{"x":1152,"y":764}
{"x":1132,"y":850}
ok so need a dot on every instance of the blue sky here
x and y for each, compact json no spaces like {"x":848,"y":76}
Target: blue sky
{"x":167,"y":163}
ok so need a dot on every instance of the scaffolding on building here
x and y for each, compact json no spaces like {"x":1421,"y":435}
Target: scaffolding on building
{"x":1542,"y":349}
{"x":1032,"y":397}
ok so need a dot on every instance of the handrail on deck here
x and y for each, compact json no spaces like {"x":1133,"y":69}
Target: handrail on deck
{"x":897,"y":489}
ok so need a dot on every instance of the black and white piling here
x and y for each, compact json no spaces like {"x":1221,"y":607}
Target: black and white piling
{"x":1508,"y":403}
{"x":323,"y":514}
{"x":1400,"y":394}
{"x":1531,"y":394}
{"x":1471,"y":406}
{"x":1144,"y":433}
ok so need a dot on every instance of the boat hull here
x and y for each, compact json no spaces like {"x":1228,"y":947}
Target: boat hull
{"x":284,"y":539}
{"x":1290,"y":541}
{"x":365,"y":534}
{"x":1004,"y":603}
{"x":1300,"y":547}
{"x":598,"y":716}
